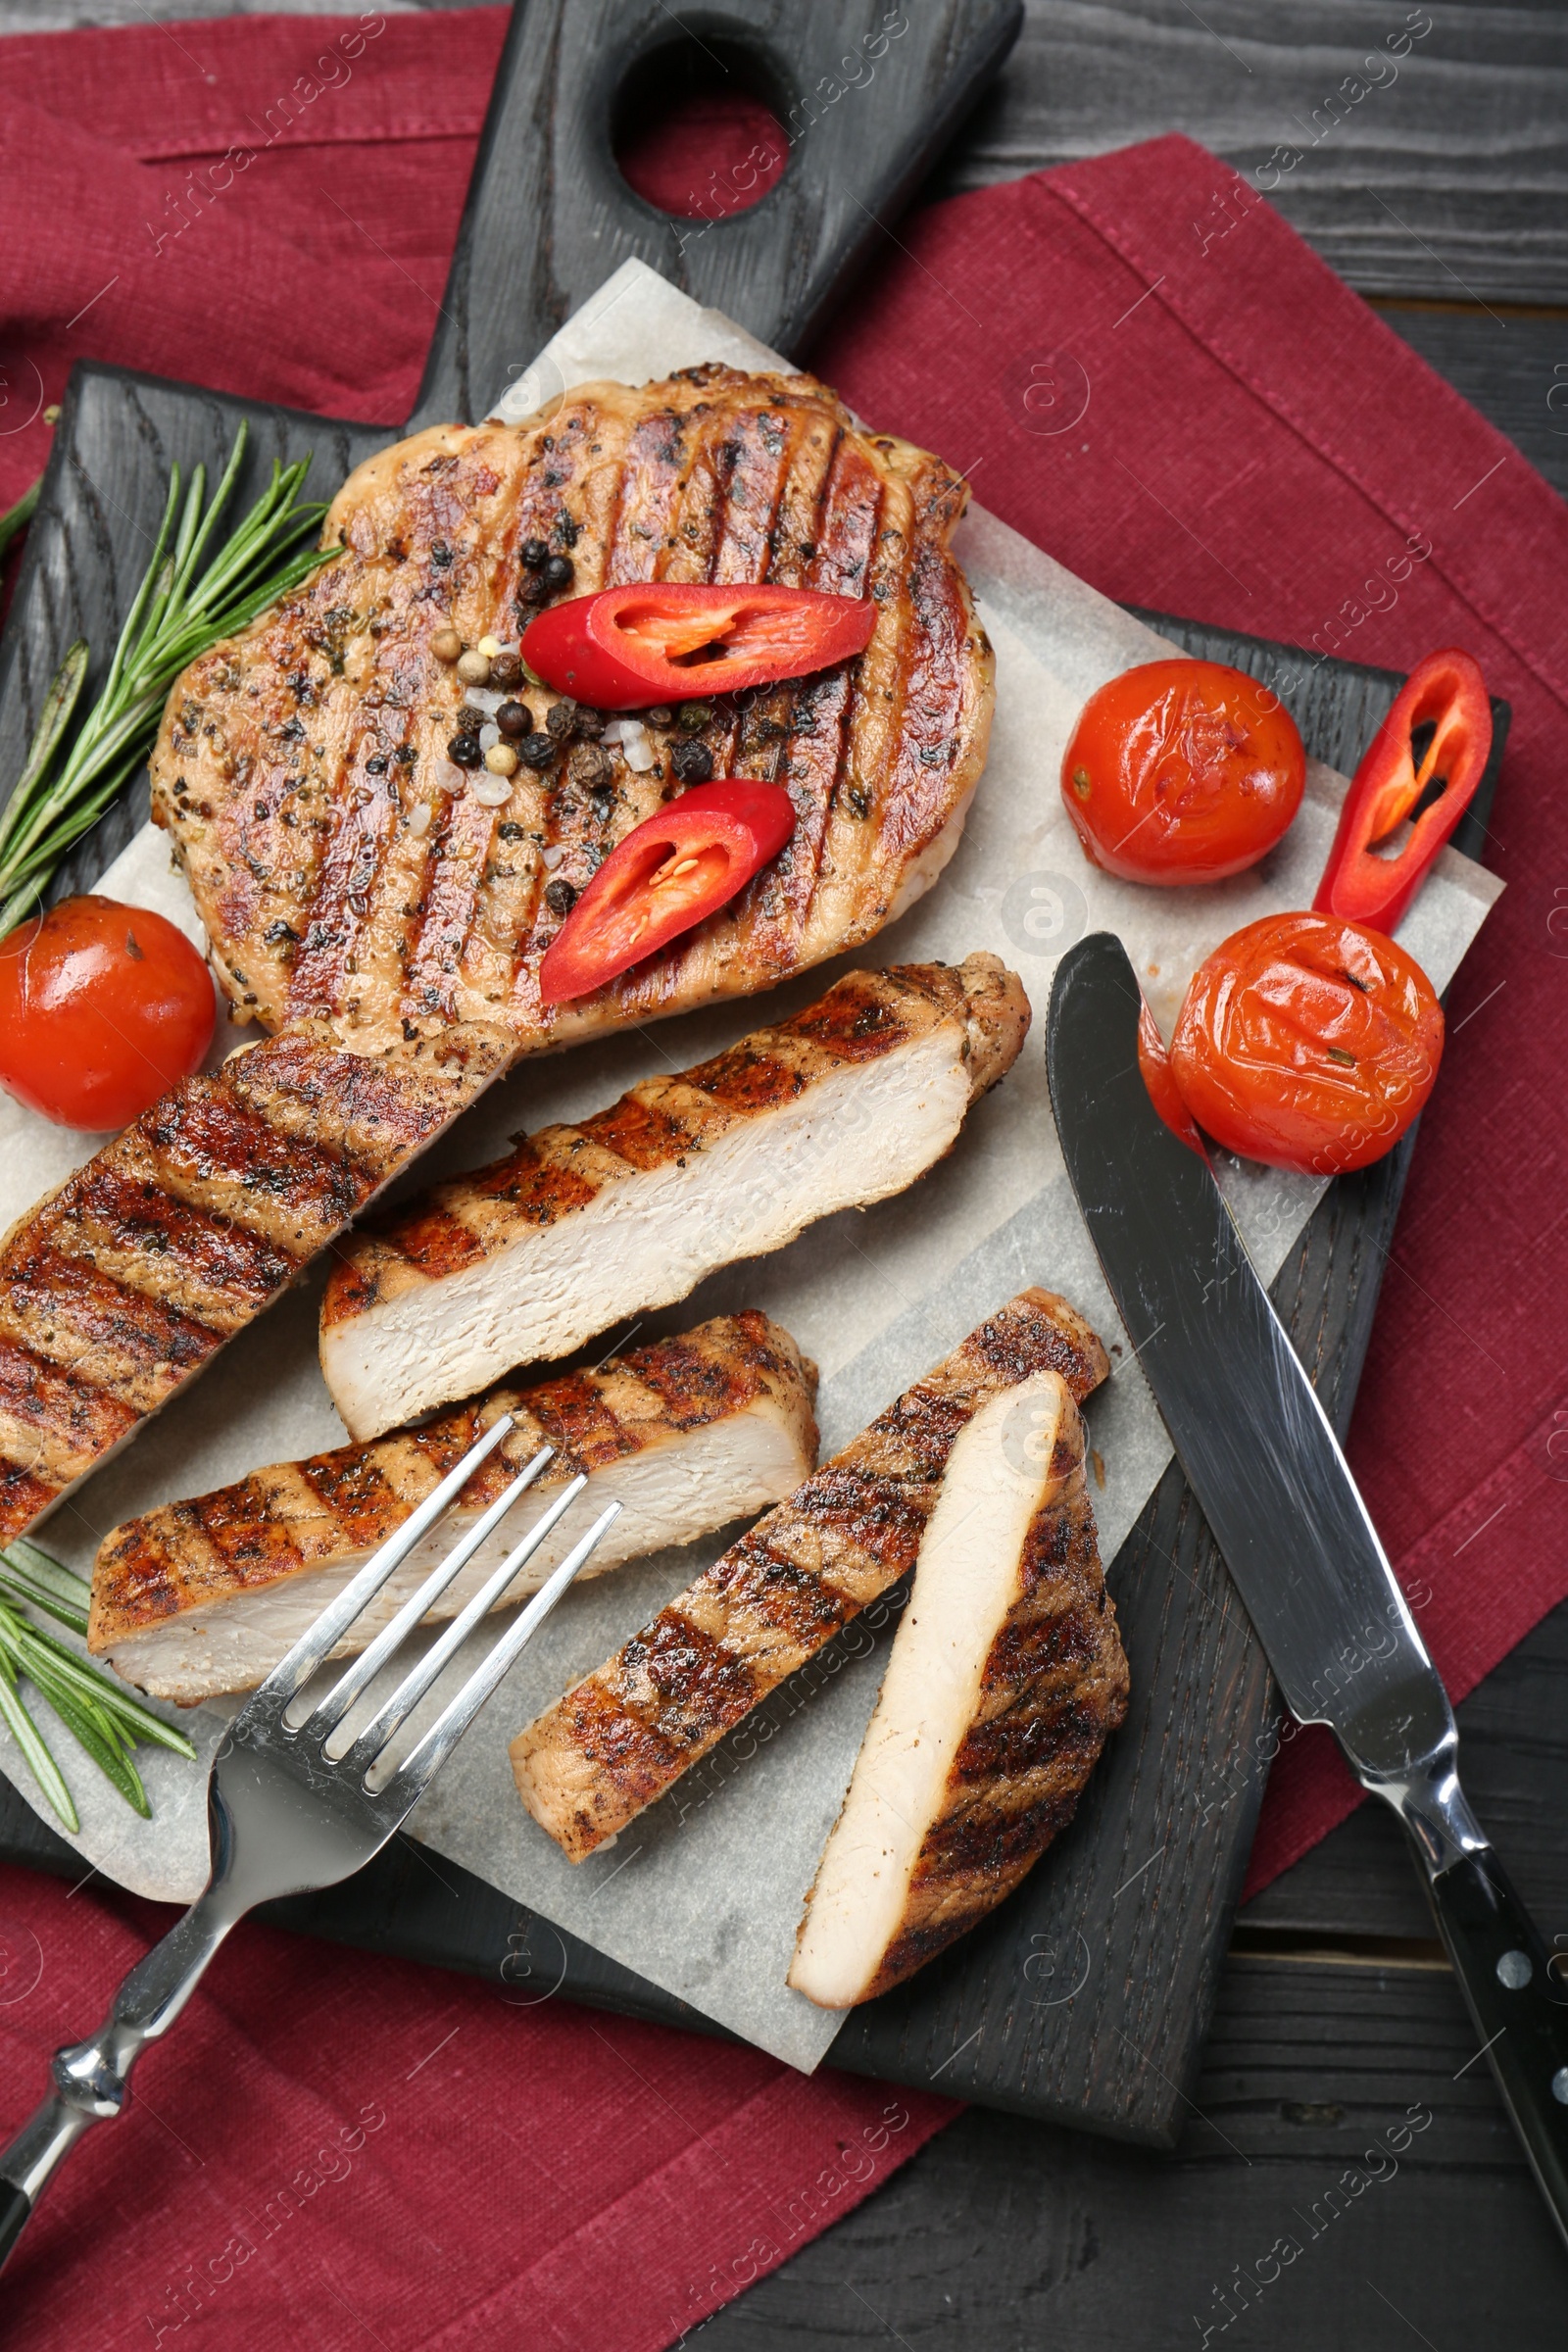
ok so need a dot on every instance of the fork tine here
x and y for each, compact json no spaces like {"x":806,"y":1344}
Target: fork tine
{"x":419,"y":1768}
{"x":323,"y":1637}
{"x":363,"y":1670}
{"x":370,"y":1741}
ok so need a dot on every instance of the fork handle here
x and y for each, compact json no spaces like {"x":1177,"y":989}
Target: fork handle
{"x":91,"y":2079}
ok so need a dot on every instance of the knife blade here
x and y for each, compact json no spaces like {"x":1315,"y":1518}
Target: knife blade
{"x":1264,"y":1462}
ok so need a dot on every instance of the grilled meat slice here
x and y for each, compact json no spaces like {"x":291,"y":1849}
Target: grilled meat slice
{"x":344,"y":866}
{"x":523,"y":1260}
{"x":128,"y":1279}
{"x":687,"y":1435}
{"x":1006,"y":1676}
{"x":623,"y":1735}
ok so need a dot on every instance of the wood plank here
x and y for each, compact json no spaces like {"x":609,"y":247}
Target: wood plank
{"x":1514,"y":369}
{"x":1002,"y":2233}
{"x":1445,"y":182}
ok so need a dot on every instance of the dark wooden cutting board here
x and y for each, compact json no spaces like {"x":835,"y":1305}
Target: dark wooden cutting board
{"x":1087,"y":1998}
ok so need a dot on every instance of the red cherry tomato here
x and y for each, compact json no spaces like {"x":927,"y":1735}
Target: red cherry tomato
{"x":1307,"y":1042}
{"x":669,"y":874}
{"x":1181,"y":771}
{"x":659,"y":640}
{"x":103,"y":1008}
{"x":1154,"y":1064}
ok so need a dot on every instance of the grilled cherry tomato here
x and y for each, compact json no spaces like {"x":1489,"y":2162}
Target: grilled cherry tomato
{"x":1448,"y":693}
{"x":1163,"y":1091}
{"x":669,"y":874}
{"x":102,"y":1008}
{"x":1181,"y":771}
{"x":654,"y":643}
{"x":1307,"y":1042}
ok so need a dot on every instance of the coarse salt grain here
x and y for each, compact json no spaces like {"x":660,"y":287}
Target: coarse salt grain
{"x":491,"y":792}
{"x":419,"y":818}
{"x":488,"y":735}
{"x":554,"y":856}
{"x":638,"y":754}
{"x":485,"y":697}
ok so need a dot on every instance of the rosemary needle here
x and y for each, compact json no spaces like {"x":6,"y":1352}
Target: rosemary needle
{"x":99,"y":1714}
{"x":188,"y":598}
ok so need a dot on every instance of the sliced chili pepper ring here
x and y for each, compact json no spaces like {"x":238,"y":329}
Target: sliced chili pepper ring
{"x":1360,"y":882}
{"x":657,"y":641}
{"x":668,"y":874}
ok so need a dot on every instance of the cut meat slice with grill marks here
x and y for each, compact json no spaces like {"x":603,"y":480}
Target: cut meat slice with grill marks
{"x":840,"y":1106}
{"x":1005,"y":1679}
{"x":687,"y":1435}
{"x":343,"y":865}
{"x":126,"y":1280}
{"x":623,"y":1735}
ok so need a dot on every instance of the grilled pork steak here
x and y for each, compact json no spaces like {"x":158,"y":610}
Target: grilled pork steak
{"x":129,"y":1278}
{"x":359,"y":887}
{"x":623,"y":1735}
{"x":345,"y":866}
{"x":1006,"y":1673}
{"x":844,"y":1104}
{"x":687,"y":1435}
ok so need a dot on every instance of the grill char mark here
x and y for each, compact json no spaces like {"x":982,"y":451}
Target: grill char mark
{"x":619,"y":1740}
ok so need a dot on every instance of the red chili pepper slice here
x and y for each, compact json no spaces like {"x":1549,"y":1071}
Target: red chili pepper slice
{"x":663,"y":641}
{"x":1161,"y":1079}
{"x":669,"y":874}
{"x":1447,"y":692}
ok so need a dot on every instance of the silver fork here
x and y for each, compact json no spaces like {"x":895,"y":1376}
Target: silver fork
{"x":285,"y":1813}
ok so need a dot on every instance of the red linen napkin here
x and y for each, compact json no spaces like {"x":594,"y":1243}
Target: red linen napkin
{"x":1242,"y":441}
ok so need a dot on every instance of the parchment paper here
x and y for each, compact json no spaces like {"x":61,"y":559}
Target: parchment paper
{"x":703,"y":1894}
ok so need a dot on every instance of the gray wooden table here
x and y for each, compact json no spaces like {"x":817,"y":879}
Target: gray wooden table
{"x":1443,"y":200}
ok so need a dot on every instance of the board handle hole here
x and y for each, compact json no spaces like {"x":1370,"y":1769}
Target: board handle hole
{"x":696,"y":127}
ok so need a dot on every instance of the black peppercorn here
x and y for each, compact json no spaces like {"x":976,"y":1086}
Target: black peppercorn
{"x":405,"y":755}
{"x":589,"y":768}
{"x":506,"y":672}
{"x":561,"y":719}
{"x":531,"y":591}
{"x":660,"y":715}
{"x":514,"y":719}
{"x":534,"y":553}
{"x":464,"y":751}
{"x":590,"y":723}
{"x":536,"y":751}
{"x":559,"y":573}
{"x":692,"y":762}
{"x":560,"y":898}
{"x":375,"y":765}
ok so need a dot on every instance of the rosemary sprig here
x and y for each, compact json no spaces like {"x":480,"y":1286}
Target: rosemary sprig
{"x":100,"y":1714}
{"x":16,"y":518}
{"x":188,"y":598}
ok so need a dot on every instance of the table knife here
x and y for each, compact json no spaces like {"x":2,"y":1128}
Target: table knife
{"x":1302,"y":1549}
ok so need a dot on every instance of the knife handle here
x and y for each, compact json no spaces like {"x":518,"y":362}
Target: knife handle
{"x":1520,"y":2006}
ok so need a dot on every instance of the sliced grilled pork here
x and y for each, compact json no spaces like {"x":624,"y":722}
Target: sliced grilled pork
{"x":128,"y":1279}
{"x":623,"y":1735}
{"x":1006,"y":1673}
{"x":345,"y":866}
{"x":687,"y":1435}
{"x":845,"y":1103}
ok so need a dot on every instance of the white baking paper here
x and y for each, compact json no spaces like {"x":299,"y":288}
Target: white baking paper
{"x":703,"y":1894}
